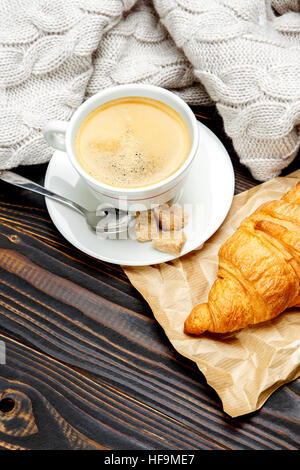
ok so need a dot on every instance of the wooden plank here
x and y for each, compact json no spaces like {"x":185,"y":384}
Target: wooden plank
{"x":82,"y":410}
{"x":70,"y":315}
{"x":87,"y":366}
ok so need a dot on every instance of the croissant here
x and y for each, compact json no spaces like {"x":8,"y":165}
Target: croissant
{"x":259,"y":270}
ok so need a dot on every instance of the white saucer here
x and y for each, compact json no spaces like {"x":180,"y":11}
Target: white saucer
{"x":207,"y":196}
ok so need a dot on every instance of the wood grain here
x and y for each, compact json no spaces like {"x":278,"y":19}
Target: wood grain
{"x":88,"y":367}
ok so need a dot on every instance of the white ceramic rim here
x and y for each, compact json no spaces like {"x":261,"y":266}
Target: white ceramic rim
{"x":51,"y":207}
{"x":130,"y":89}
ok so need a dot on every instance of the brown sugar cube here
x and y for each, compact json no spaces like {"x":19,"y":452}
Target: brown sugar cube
{"x":171,"y":217}
{"x":146,"y":226}
{"x":170,"y":242}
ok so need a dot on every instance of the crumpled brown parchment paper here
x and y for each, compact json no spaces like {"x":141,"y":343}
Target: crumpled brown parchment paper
{"x":243,"y":367}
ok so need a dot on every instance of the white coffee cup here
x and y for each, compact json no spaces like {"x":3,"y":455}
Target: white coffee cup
{"x":61,"y":135}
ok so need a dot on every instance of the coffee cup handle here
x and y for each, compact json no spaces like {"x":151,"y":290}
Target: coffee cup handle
{"x":55,"y":134}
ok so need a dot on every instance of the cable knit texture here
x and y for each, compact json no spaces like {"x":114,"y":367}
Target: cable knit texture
{"x":243,"y":55}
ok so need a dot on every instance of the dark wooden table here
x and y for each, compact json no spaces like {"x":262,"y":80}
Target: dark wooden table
{"x":88,"y":367}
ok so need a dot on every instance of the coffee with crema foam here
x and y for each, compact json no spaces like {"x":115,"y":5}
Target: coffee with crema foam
{"x":132,"y":142}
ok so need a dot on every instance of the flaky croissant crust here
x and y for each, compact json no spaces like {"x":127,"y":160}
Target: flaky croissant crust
{"x":259,"y":270}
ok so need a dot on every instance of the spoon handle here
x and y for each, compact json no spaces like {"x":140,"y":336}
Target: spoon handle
{"x":21,"y":182}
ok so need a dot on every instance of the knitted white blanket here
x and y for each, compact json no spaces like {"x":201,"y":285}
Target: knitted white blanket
{"x":243,"y":55}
